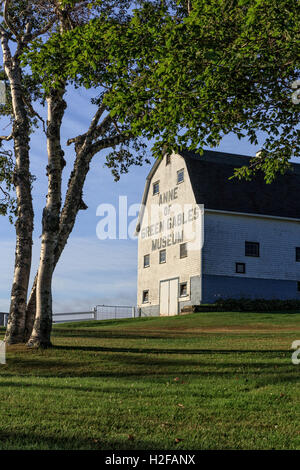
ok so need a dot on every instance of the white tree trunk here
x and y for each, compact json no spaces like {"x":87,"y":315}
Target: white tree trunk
{"x":22,"y":181}
{"x":73,"y":204}
{"x":40,"y":335}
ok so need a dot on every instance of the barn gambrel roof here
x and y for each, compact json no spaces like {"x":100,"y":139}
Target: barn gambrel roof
{"x":209,"y":175}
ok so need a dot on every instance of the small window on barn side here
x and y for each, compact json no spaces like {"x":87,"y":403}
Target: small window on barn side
{"x":162,"y":256}
{"x":297,"y":253}
{"x":146,"y":261}
{"x":180,"y":176}
{"x":183,"y":250}
{"x":168,"y":159}
{"x":298,"y":286}
{"x":183,"y":289}
{"x":145,"y":296}
{"x":240,"y":268}
{"x":155,"y":188}
{"x":252,"y":249}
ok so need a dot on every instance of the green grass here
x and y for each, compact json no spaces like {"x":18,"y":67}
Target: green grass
{"x":207,"y":381}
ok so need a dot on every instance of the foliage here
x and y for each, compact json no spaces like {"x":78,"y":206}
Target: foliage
{"x":51,"y":61}
{"x":187,"y":78}
{"x":257,"y":305}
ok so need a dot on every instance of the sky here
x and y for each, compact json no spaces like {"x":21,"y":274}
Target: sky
{"x":90,"y":271}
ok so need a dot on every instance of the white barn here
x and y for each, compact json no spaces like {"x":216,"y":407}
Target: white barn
{"x":250,"y":231}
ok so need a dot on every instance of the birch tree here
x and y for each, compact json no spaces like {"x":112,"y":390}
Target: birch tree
{"x":104,"y":132}
{"x":21,"y":24}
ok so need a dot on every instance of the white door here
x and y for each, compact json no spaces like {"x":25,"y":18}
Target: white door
{"x":173,"y":297}
{"x":169,"y":297}
{"x":164,"y":298}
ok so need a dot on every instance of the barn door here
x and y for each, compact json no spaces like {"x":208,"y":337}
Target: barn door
{"x":164,"y":298}
{"x":169,"y":297}
{"x":173,"y":297}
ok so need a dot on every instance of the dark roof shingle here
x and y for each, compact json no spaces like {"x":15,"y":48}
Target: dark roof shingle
{"x":210,"y":173}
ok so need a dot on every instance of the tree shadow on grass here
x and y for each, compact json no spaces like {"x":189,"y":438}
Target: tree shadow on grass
{"x":89,"y":359}
{"x":17,"y":440}
{"x":144,"y":384}
{"x":163,"y":335}
{"x":145,"y":369}
{"x":171,"y":351}
{"x":125,"y":335}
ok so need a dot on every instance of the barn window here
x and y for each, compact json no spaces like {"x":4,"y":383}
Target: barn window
{"x":252,"y":249}
{"x":145,"y":296}
{"x":240,"y":268}
{"x":146,"y":261}
{"x":180,"y":176}
{"x":168,"y":159}
{"x":297,"y":253}
{"x":183,"y":289}
{"x":162,"y":256}
{"x":183,"y":250}
{"x":298,"y":286}
{"x":155,"y":188}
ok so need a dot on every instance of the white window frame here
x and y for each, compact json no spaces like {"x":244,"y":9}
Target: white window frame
{"x":178,"y":173}
{"x":186,"y":289}
{"x":147,"y":265}
{"x":143,"y":298}
{"x":185,"y":256}
{"x":154,"y":185}
{"x":165,"y":251}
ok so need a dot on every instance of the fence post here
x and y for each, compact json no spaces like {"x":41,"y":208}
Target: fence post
{"x":133,"y":312}
{"x":95,"y":313}
{"x":5,"y":320}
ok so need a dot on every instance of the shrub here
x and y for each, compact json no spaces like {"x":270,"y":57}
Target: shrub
{"x":257,"y":305}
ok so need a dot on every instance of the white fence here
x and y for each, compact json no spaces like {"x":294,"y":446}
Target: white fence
{"x":100,"y":312}
{"x":107,"y":312}
{"x":72,"y":317}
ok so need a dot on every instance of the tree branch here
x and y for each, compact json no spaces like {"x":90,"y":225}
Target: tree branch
{"x":109,"y":142}
{"x":7,"y":20}
{"x":94,"y":131}
{"x":6,"y":137}
{"x":34,"y":113}
{"x":95,"y":119}
{"x":43,"y":30}
{"x":4,"y":192}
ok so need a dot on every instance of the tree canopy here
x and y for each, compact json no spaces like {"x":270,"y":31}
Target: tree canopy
{"x":188,"y":74}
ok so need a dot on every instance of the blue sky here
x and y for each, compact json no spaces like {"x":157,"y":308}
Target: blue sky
{"x":90,"y":271}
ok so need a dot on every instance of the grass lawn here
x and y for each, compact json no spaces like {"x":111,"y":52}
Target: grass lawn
{"x":200,"y":381}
